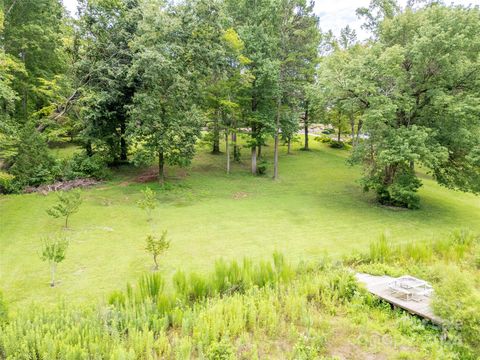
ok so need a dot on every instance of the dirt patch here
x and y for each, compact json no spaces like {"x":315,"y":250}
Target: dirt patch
{"x":62,"y":186}
{"x":240,"y":195}
{"x":147,"y":176}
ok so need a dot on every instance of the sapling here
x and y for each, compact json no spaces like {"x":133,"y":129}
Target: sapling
{"x":68,"y":204}
{"x":148,"y":202}
{"x":156,"y":246}
{"x":54,"y":251}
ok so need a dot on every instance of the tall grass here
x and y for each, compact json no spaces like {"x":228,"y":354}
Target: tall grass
{"x":241,"y":310}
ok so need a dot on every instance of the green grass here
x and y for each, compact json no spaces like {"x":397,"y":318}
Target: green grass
{"x":316,"y":207}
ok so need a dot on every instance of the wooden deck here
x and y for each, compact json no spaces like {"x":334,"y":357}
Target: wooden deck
{"x":378,"y":285}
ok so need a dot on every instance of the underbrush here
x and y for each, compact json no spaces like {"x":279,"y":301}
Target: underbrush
{"x":266,"y":310}
{"x":451,"y":264}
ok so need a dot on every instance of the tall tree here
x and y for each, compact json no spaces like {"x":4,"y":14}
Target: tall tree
{"x":296,"y":54}
{"x":418,"y":86}
{"x":33,"y":34}
{"x":173,"y":58}
{"x":106,"y":29}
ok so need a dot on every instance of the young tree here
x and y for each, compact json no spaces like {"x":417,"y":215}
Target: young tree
{"x":155,"y":246}
{"x":68,"y":204}
{"x":148,"y":202}
{"x":54,"y":251}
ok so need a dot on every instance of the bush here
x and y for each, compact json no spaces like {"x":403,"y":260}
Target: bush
{"x":222,"y":350}
{"x":262,"y":168}
{"x":7,"y":184}
{"x":335,"y":144}
{"x":401,"y":191}
{"x":324,"y":139}
{"x":83,"y":166}
{"x":32,"y":165}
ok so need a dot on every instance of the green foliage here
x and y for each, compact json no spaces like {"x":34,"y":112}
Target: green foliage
{"x":32,"y":164}
{"x":3,"y":309}
{"x":300,"y":318}
{"x":222,"y":350}
{"x":148,"y":202}
{"x":155,"y":246}
{"x":54,"y":250}
{"x":102,"y":71}
{"x":411,"y":109}
{"x":6,"y":183}
{"x":262,"y":168}
{"x":83,"y":166}
{"x":68,"y":203}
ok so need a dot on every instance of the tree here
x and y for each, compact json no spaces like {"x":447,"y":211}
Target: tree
{"x":54,"y":251}
{"x":105,"y":31}
{"x":148,"y":202}
{"x":155,"y":246}
{"x":417,"y":91}
{"x":68,"y":204}
{"x":296,"y":53}
{"x":171,"y":61}
{"x":33,"y":35}
{"x":31,"y":163}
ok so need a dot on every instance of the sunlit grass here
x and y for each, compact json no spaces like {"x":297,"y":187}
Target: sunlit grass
{"x":316,"y":207}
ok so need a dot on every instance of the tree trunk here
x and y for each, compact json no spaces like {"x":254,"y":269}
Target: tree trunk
{"x":123,"y":142}
{"x":216,"y":135}
{"x":359,"y":128}
{"x":275,"y":150}
{"x":52,"y":271}
{"x":305,"y":123}
{"x":227,"y":149}
{"x":254,"y":160}
{"x":289,"y":146}
{"x":25,"y":90}
{"x":259,"y":151}
{"x":88,"y":148}
{"x":66,"y":222}
{"x":352,"y":128}
{"x":236,"y":152}
{"x":155,"y":261}
{"x":161,"y":167}
{"x":339,"y":133}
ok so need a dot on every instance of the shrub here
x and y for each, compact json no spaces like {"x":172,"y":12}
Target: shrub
{"x":335,"y":144}
{"x":222,"y":350}
{"x":324,"y":139}
{"x":7,"y":185}
{"x":32,"y":165}
{"x":83,"y":166}
{"x":262,"y":168}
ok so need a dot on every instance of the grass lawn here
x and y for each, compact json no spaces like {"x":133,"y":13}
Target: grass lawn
{"x":316,"y":207}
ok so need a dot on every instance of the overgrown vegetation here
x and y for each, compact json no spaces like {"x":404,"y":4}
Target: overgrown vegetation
{"x":451,"y":265}
{"x":251,"y":310}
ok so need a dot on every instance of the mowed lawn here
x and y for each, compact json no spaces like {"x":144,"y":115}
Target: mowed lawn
{"x":317,"y":208}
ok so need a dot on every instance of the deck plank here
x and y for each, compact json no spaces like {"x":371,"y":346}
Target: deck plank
{"x":378,"y":286}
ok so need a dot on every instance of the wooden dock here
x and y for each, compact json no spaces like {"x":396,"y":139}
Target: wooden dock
{"x":378,"y":286}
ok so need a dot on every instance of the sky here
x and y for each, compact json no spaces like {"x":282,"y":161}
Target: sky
{"x":334,"y":14}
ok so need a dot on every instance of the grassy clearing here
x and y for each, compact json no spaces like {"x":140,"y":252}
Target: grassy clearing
{"x":315,"y":208}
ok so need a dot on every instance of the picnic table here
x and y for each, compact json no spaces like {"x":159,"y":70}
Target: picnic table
{"x":410,"y":288}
